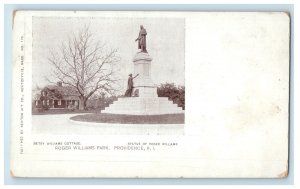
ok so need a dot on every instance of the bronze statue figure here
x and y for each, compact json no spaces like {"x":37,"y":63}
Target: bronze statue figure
{"x":142,"y":39}
{"x":130,"y":87}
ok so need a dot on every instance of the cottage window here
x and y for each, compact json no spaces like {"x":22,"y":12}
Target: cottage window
{"x":36,"y":102}
{"x":43,"y":102}
{"x":47,"y":102}
{"x":59,"y":102}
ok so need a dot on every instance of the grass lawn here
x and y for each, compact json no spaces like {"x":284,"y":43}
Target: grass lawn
{"x":61,"y":111}
{"x":131,"y":119}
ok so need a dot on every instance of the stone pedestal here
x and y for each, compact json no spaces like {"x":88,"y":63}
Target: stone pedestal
{"x":143,"y":83}
{"x":147,"y":102}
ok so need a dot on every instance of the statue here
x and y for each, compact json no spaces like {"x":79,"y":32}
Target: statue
{"x":129,"y":90}
{"x":142,"y":39}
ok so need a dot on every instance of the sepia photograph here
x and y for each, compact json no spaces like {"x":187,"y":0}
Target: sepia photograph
{"x":108,"y":75}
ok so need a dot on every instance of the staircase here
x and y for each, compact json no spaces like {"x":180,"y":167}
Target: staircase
{"x":143,"y":106}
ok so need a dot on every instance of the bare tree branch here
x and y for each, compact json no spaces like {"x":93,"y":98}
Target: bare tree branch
{"x":84,"y":63}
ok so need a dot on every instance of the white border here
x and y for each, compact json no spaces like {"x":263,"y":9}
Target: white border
{"x":296,"y":70}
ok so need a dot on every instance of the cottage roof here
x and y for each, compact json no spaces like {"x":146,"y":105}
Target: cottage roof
{"x":64,"y":90}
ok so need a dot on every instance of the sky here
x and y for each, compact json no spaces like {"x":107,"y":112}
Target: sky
{"x":165,"y":44}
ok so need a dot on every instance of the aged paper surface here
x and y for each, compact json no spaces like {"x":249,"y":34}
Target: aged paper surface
{"x":233,"y":122}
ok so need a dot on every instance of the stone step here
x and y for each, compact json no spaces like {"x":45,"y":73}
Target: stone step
{"x":143,"y":106}
{"x":145,"y":100}
{"x":144,"y":109}
{"x":143,"y":112}
{"x":141,"y":98}
{"x":146,"y":103}
{"x":137,"y":99}
{"x":130,"y":111}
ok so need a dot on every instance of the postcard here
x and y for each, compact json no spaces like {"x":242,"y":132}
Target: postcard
{"x":102,"y":94}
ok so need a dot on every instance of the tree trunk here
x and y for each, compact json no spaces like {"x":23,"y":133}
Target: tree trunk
{"x":84,"y":103}
{"x":81,"y":103}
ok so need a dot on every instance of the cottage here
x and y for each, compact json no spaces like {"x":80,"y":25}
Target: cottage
{"x":57,"y":97}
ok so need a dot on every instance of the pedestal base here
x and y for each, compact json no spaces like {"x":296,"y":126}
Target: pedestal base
{"x":143,"y":106}
{"x":147,"y":102}
{"x":145,"y":92}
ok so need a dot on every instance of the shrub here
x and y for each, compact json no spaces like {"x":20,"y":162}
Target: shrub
{"x":173,"y":92}
{"x":99,"y":103}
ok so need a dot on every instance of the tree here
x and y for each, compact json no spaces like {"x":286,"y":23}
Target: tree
{"x":173,"y":92}
{"x":86,"y":64}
